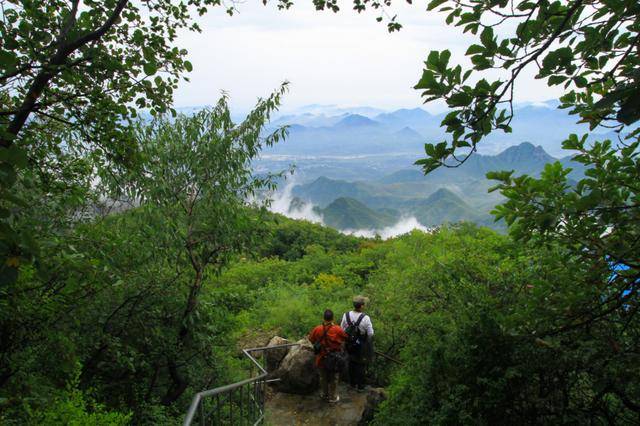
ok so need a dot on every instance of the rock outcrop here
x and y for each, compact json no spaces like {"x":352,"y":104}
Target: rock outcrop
{"x":294,"y":399}
{"x":274,"y":357}
{"x":374,"y":397}
{"x":354,"y":408}
{"x":297,"y":371}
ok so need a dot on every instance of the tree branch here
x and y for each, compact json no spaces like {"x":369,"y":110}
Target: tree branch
{"x":50,"y":70}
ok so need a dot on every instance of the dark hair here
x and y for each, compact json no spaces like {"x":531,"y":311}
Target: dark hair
{"x":357,"y":305}
{"x":328,"y":315}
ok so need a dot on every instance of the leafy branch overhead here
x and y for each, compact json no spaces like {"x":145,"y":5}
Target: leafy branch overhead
{"x":591,"y":49}
{"x":72,"y":74}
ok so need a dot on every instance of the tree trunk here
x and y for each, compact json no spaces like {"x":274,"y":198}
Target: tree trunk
{"x":179,"y":382}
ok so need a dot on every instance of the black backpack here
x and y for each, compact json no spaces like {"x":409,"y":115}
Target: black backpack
{"x":356,"y":338}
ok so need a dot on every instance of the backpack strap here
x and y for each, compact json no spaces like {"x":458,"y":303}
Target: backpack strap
{"x":324,"y":335}
{"x":346,"y":314}
{"x":360,"y":318}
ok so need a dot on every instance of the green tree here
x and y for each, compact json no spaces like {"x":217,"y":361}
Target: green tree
{"x":584,"y":313}
{"x":197,"y":173}
{"x":71,"y":75}
{"x":120,"y":294}
{"x":591,"y":49}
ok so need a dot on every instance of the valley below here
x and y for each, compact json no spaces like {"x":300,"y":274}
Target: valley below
{"x":354,"y":171}
{"x":388,"y":195}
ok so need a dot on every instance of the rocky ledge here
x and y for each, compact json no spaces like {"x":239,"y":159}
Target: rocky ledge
{"x":294,"y":399}
{"x":354,"y":408}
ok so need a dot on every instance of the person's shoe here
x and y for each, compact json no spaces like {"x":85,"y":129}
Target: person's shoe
{"x":323,"y":396}
{"x":362,"y":389}
{"x":333,"y":401}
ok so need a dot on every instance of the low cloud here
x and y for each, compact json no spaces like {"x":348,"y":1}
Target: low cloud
{"x":404,"y":225}
{"x":284,"y":203}
{"x":281,"y":202}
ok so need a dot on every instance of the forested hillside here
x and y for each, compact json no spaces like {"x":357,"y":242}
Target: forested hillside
{"x":138,"y":255}
{"x":443,"y":196}
{"x":465,"y":309}
{"x":347,"y":213}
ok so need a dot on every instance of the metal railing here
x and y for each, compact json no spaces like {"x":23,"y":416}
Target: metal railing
{"x":240,"y":403}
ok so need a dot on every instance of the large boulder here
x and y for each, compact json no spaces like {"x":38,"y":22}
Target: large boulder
{"x":297,"y":371}
{"x":273,"y":357}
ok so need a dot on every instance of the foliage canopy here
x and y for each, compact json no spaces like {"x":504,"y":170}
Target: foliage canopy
{"x":118,"y":315}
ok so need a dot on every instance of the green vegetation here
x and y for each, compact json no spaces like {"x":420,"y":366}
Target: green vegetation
{"x":490,"y":342}
{"x":114,"y":301}
{"x":134,"y":265}
{"x":347,"y":213}
{"x":476,"y":318}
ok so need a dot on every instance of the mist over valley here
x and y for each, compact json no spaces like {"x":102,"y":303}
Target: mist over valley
{"x":354,"y":168}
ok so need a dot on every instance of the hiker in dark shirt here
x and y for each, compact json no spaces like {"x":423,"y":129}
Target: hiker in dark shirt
{"x":359,"y":345}
{"x":328,"y":339}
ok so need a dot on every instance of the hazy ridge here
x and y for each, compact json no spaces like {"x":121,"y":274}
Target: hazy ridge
{"x":390,"y":201}
{"x":354,"y":167}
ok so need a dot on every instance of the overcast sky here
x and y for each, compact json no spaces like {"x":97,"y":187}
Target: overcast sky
{"x":346,"y":58}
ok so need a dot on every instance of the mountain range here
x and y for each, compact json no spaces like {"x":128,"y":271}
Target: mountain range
{"x":329,"y":130}
{"x":350,"y":134}
{"x":350,"y":214}
{"x":354,"y":166}
{"x":446,"y":195}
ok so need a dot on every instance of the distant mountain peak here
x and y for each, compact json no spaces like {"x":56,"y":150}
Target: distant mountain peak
{"x":323,"y":179}
{"x":417,"y":110}
{"x":356,"y":120}
{"x":444,"y":193}
{"x":525,"y":151}
{"x":346,"y":201}
{"x":349,"y":213}
{"x":404,"y":114}
{"x":404,"y":176}
{"x":408,"y":132}
{"x":524,"y":146}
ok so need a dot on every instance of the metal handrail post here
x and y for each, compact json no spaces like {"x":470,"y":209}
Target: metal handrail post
{"x":258,"y":383}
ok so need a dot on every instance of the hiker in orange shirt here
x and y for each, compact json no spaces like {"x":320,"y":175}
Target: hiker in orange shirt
{"x":328,"y":344}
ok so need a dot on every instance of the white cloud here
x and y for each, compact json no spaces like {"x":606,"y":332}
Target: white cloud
{"x":344,"y":58}
{"x":404,"y":226}
{"x":281,"y":203}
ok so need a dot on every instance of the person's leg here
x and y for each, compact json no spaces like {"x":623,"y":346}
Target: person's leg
{"x":359,"y":374}
{"x":324,"y":390}
{"x":352,"y":372}
{"x":332,"y":385}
